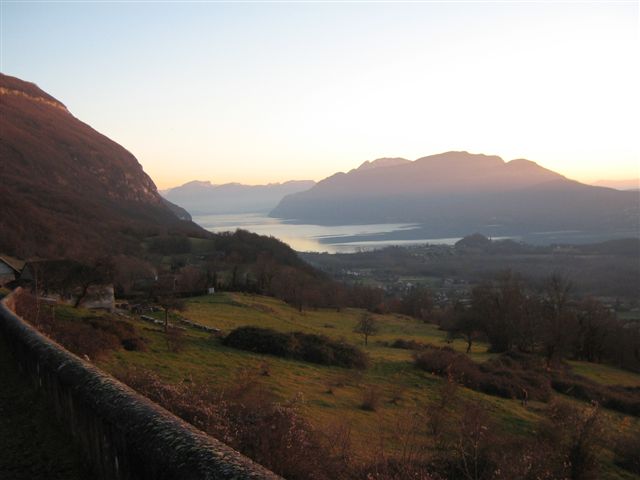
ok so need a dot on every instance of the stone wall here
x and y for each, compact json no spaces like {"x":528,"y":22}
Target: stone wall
{"x":124,"y":435}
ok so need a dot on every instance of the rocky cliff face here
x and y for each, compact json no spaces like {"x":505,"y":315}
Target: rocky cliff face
{"x":68,"y":190}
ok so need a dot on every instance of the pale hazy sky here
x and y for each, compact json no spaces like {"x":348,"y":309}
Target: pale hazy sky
{"x":268,"y":92}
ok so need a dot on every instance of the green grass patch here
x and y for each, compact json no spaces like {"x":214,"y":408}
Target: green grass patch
{"x":330,"y":394}
{"x":605,"y":374}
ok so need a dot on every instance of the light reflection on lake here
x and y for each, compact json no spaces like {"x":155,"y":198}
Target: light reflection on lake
{"x":316,"y":238}
{"x":353,"y":238}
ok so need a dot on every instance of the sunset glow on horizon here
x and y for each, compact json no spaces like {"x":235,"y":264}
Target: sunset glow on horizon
{"x":259,"y":93}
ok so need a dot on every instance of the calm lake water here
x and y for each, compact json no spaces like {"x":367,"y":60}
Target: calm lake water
{"x":353,"y":238}
{"x":316,"y":238}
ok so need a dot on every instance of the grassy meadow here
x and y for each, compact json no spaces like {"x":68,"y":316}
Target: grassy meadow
{"x":330,"y":397}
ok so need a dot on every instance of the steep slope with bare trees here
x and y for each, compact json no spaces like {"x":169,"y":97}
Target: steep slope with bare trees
{"x":66,"y":189}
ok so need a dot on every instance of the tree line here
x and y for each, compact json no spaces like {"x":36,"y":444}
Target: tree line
{"x":506,"y":312}
{"x":513,"y":316}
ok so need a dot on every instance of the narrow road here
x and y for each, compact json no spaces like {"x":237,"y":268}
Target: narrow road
{"x":33,"y":445}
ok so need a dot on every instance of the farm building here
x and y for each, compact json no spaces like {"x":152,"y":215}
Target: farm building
{"x":10,"y":269}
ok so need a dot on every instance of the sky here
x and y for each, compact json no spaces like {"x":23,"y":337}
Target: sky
{"x":268,"y":92}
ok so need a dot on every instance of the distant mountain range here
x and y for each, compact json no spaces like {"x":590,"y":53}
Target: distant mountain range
{"x":202,"y":198}
{"x":626,"y":184}
{"x":454,"y":193}
{"x":67,"y":190}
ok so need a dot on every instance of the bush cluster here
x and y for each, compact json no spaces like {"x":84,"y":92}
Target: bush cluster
{"x":523,"y":376}
{"x":297,"y":345}
{"x":511,"y":375}
{"x":90,"y":336}
{"x":408,"y":344}
{"x":615,"y":397}
{"x":96,"y":336}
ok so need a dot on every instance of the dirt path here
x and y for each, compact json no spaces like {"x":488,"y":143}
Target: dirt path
{"x":32,"y":443}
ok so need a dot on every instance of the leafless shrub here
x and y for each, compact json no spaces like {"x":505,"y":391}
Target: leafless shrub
{"x":616,"y":397}
{"x":135,"y":344}
{"x":330,"y":386}
{"x":473,"y":444}
{"x":398,"y":391}
{"x":512,"y":375}
{"x":90,"y":336}
{"x":265,"y":368}
{"x":439,"y":410}
{"x":30,"y":307}
{"x":249,"y":418}
{"x":407,"y":344}
{"x":408,"y":459}
{"x":175,"y":338}
{"x":337,"y":437}
{"x":351,"y":378}
{"x":573,"y":432}
{"x":627,"y":452}
{"x":370,"y":398}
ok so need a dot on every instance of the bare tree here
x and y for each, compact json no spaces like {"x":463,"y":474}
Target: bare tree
{"x":86,"y":276}
{"x":367,"y":326}
{"x":417,"y":302}
{"x":500,"y":309}
{"x":464,"y":325}
{"x":192,"y":280}
{"x":595,"y":325}
{"x":169,"y":304}
{"x":559,"y":318}
{"x":129,"y":271}
{"x":265,"y":269}
{"x":164,"y":294}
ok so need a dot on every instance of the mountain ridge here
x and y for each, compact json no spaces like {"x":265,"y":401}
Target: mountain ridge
{"x":67,"y":189}
{"x":382,"y":163}
{"x":204,"y":197}
{"x":457,"y":190}
{"x":620,"y":184}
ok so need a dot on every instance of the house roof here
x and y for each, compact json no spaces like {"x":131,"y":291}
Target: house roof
{"x":14,"y":263}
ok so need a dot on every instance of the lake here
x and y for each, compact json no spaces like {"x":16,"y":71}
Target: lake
{"x":354,"y":238}
{"x":320,"y":238}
